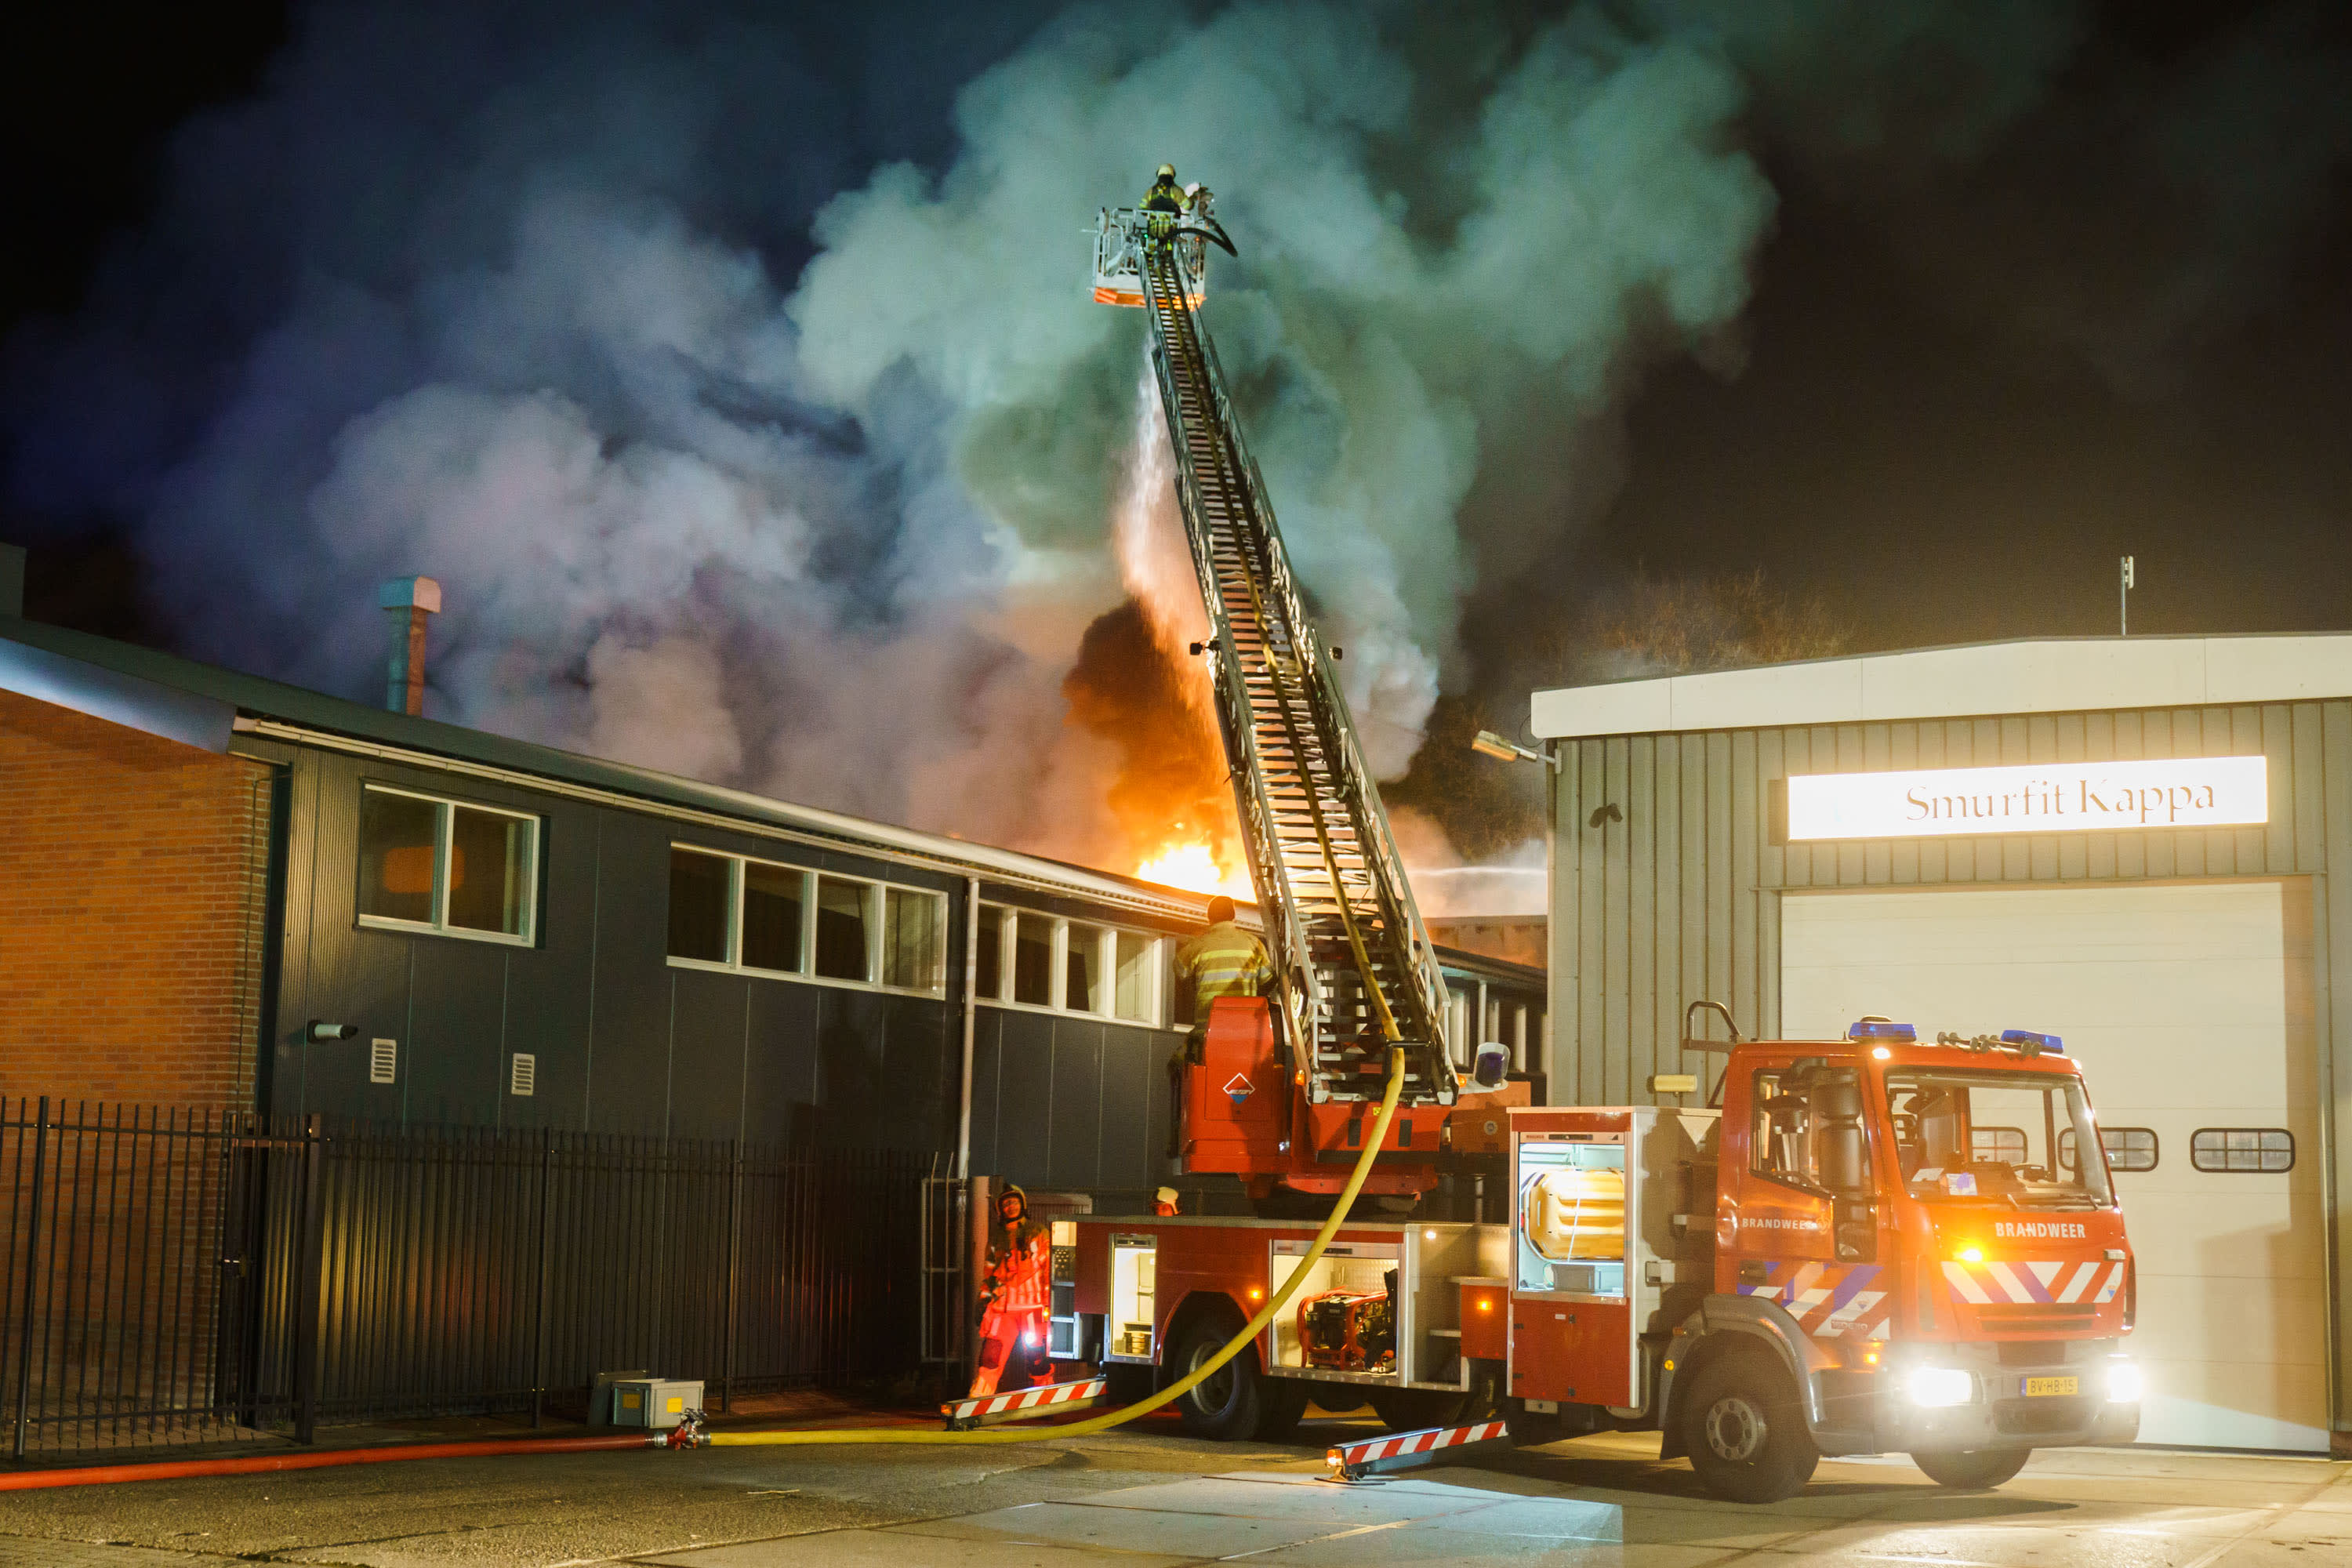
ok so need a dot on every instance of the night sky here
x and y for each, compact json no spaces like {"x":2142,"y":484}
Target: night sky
{"x":1978,"y":364}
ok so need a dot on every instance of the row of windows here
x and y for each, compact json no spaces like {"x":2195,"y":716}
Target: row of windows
{"x":461,"y":869}
{"x":2266,"y":1150}
{"x":729,"y":912}
{"x":1032,"y":959}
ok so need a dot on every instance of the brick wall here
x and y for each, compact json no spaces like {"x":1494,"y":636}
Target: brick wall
{"x":132,"y":907}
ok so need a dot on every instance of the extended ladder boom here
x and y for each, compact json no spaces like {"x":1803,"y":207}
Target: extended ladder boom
{"x":1357,"y":969}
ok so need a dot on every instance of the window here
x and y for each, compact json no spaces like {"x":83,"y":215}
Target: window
{"x":1082,"y":968}
{"x":699,"y":913}
{"x":2128,"y":1148}
{"x":1138,"y":960}
{"x":1993,"y":1137}
{"x":2234,"y":1148}
{"x":989,"y":962}
{"x":2006,"y":1145}
{"x":446,"y":866}
{"x":910,"y":940}
{"x":841,"y":922}
{"x":772,"y":901}
{"x":1808,"y":1128}
{"x":729,"y":911}
{"x":1033,"y":960}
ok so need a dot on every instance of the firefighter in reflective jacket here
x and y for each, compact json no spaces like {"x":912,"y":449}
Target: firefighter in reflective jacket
{"x":1222,"y":961}
{"x":1165,"y":196}
{"x":1015,"y":1301}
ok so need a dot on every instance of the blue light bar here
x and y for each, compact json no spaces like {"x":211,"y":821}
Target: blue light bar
{"x":2048,"y":1045}
{"x":1879,"y":1029}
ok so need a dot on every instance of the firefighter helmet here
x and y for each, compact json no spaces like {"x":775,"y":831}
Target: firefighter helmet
{"x":1168,"y":171}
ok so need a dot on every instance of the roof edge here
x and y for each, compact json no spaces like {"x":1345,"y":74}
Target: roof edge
{"x":2036,"y":675}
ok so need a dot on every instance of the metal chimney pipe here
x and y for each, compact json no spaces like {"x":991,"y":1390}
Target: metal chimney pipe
{"x":407,"y":601}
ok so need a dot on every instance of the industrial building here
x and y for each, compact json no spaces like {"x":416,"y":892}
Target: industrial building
{"x":210,"y":878}
{"x":2143,"y":846}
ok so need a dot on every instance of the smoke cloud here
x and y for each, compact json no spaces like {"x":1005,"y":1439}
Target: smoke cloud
{"x":738,"y":377}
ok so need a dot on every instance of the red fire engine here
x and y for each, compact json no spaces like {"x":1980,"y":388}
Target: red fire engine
{"x":1869,"y":1244}
{"x":1875,"y":1243}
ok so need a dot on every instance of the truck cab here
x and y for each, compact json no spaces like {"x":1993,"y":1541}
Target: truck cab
{"x":1875,"y":1243}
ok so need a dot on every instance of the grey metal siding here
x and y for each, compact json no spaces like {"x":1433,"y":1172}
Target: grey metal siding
{"x":1680,"y":898}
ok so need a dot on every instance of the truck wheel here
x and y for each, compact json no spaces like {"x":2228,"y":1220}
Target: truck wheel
{"x":1225,"y":1405}
{"x":1745,"y":1432}
{"x":1972,"y":1469}
{"x":1281,"y":1402}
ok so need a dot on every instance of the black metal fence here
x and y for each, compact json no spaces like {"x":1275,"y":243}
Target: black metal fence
{"x":176,"y":1276}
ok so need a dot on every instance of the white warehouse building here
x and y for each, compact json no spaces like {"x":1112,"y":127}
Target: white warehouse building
{"x":2141,"y":845}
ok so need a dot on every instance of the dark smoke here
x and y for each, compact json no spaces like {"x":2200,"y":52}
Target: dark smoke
{"x":732,"y":366}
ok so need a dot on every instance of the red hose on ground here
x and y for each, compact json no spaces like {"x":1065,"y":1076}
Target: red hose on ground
{"x":99,"y":1475}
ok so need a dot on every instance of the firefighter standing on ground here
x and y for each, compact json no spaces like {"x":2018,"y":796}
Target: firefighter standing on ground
{"x":1222,"y":961}
{"x":1013,"y":1322}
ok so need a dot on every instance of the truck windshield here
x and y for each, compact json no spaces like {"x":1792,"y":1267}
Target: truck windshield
{"x":2009,"y":1138}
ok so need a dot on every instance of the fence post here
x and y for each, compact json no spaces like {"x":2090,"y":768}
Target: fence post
{"x":734,"y":1255}
{"x":310,"y":1294}
{"x":32,"y":1267}
{"x":539,"y":1308}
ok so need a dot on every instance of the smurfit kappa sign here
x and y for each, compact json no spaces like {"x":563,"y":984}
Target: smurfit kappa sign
{"x":2051,"y":797}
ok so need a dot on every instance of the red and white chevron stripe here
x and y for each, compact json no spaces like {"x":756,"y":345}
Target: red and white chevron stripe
{"x":2092,"y":1281}
{"x":1391,"y":1453}
{"x":1022,"y":1400}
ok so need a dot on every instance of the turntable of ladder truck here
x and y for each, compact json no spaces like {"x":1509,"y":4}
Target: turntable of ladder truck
{"x":1856,"y":1246}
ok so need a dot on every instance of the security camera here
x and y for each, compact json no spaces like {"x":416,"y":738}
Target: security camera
{"x":321,"y":1034}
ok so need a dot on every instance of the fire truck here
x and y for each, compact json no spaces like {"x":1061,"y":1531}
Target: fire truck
{"x":1864,"y":1244}
{"x":1875,"y":1243}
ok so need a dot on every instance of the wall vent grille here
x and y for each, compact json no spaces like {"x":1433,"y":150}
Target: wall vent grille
{"x":523,"y":1076}
{"x":384,"y":1061}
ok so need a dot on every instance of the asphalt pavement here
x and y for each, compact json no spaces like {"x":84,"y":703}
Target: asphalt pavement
{"x":1152,"y":1497}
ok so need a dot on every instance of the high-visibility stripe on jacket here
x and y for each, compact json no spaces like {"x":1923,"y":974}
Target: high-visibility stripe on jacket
{"x":1223,"y":961}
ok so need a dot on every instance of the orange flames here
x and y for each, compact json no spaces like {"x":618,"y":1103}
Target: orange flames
{"x":1137,"y":682}
{"x":1194,"y":865}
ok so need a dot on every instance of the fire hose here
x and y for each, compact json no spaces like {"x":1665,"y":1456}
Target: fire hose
{"x":689,"y":1435}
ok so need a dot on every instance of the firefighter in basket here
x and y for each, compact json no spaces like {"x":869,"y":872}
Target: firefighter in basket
{"x":1013,"y":1301}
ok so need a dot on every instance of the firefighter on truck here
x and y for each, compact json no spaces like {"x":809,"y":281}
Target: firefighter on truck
{"x":1222,"y":961}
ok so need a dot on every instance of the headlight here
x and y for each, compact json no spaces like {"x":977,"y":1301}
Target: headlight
{"x":2123,"y":1383}
{"x":1936,"y":1387}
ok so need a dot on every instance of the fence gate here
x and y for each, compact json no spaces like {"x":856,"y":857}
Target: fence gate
{"x":947,"y":1247}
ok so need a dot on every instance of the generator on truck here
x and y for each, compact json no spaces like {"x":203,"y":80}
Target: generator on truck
{"x":1864,"y":1244}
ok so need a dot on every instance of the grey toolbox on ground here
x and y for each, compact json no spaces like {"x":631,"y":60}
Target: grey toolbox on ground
{"x":655,"y":1401}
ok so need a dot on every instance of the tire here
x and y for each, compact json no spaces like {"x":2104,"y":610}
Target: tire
{"x":1281,"y":1402}
{"x":1745,"y":1431}
{"x":1972,"y":1469}
{"x":1227,"y":1407}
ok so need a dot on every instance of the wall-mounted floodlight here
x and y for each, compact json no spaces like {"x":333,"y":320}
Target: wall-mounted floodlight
{"x":321,"y":1034}
{"x":1490,"y":745}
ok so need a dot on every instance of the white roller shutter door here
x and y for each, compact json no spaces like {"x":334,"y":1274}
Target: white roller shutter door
{"x":2189,"y":1006}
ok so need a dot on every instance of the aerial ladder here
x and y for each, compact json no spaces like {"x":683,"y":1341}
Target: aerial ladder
{"x":1355,"y":971}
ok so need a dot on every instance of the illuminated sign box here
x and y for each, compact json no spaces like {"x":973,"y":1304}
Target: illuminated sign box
{"x":2051,"y":797}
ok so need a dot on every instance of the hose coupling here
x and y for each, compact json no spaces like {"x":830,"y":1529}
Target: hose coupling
{"x":686,"y":1434}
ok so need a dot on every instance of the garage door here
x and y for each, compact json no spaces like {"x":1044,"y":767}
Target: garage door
{"x":2190,"y":1008}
